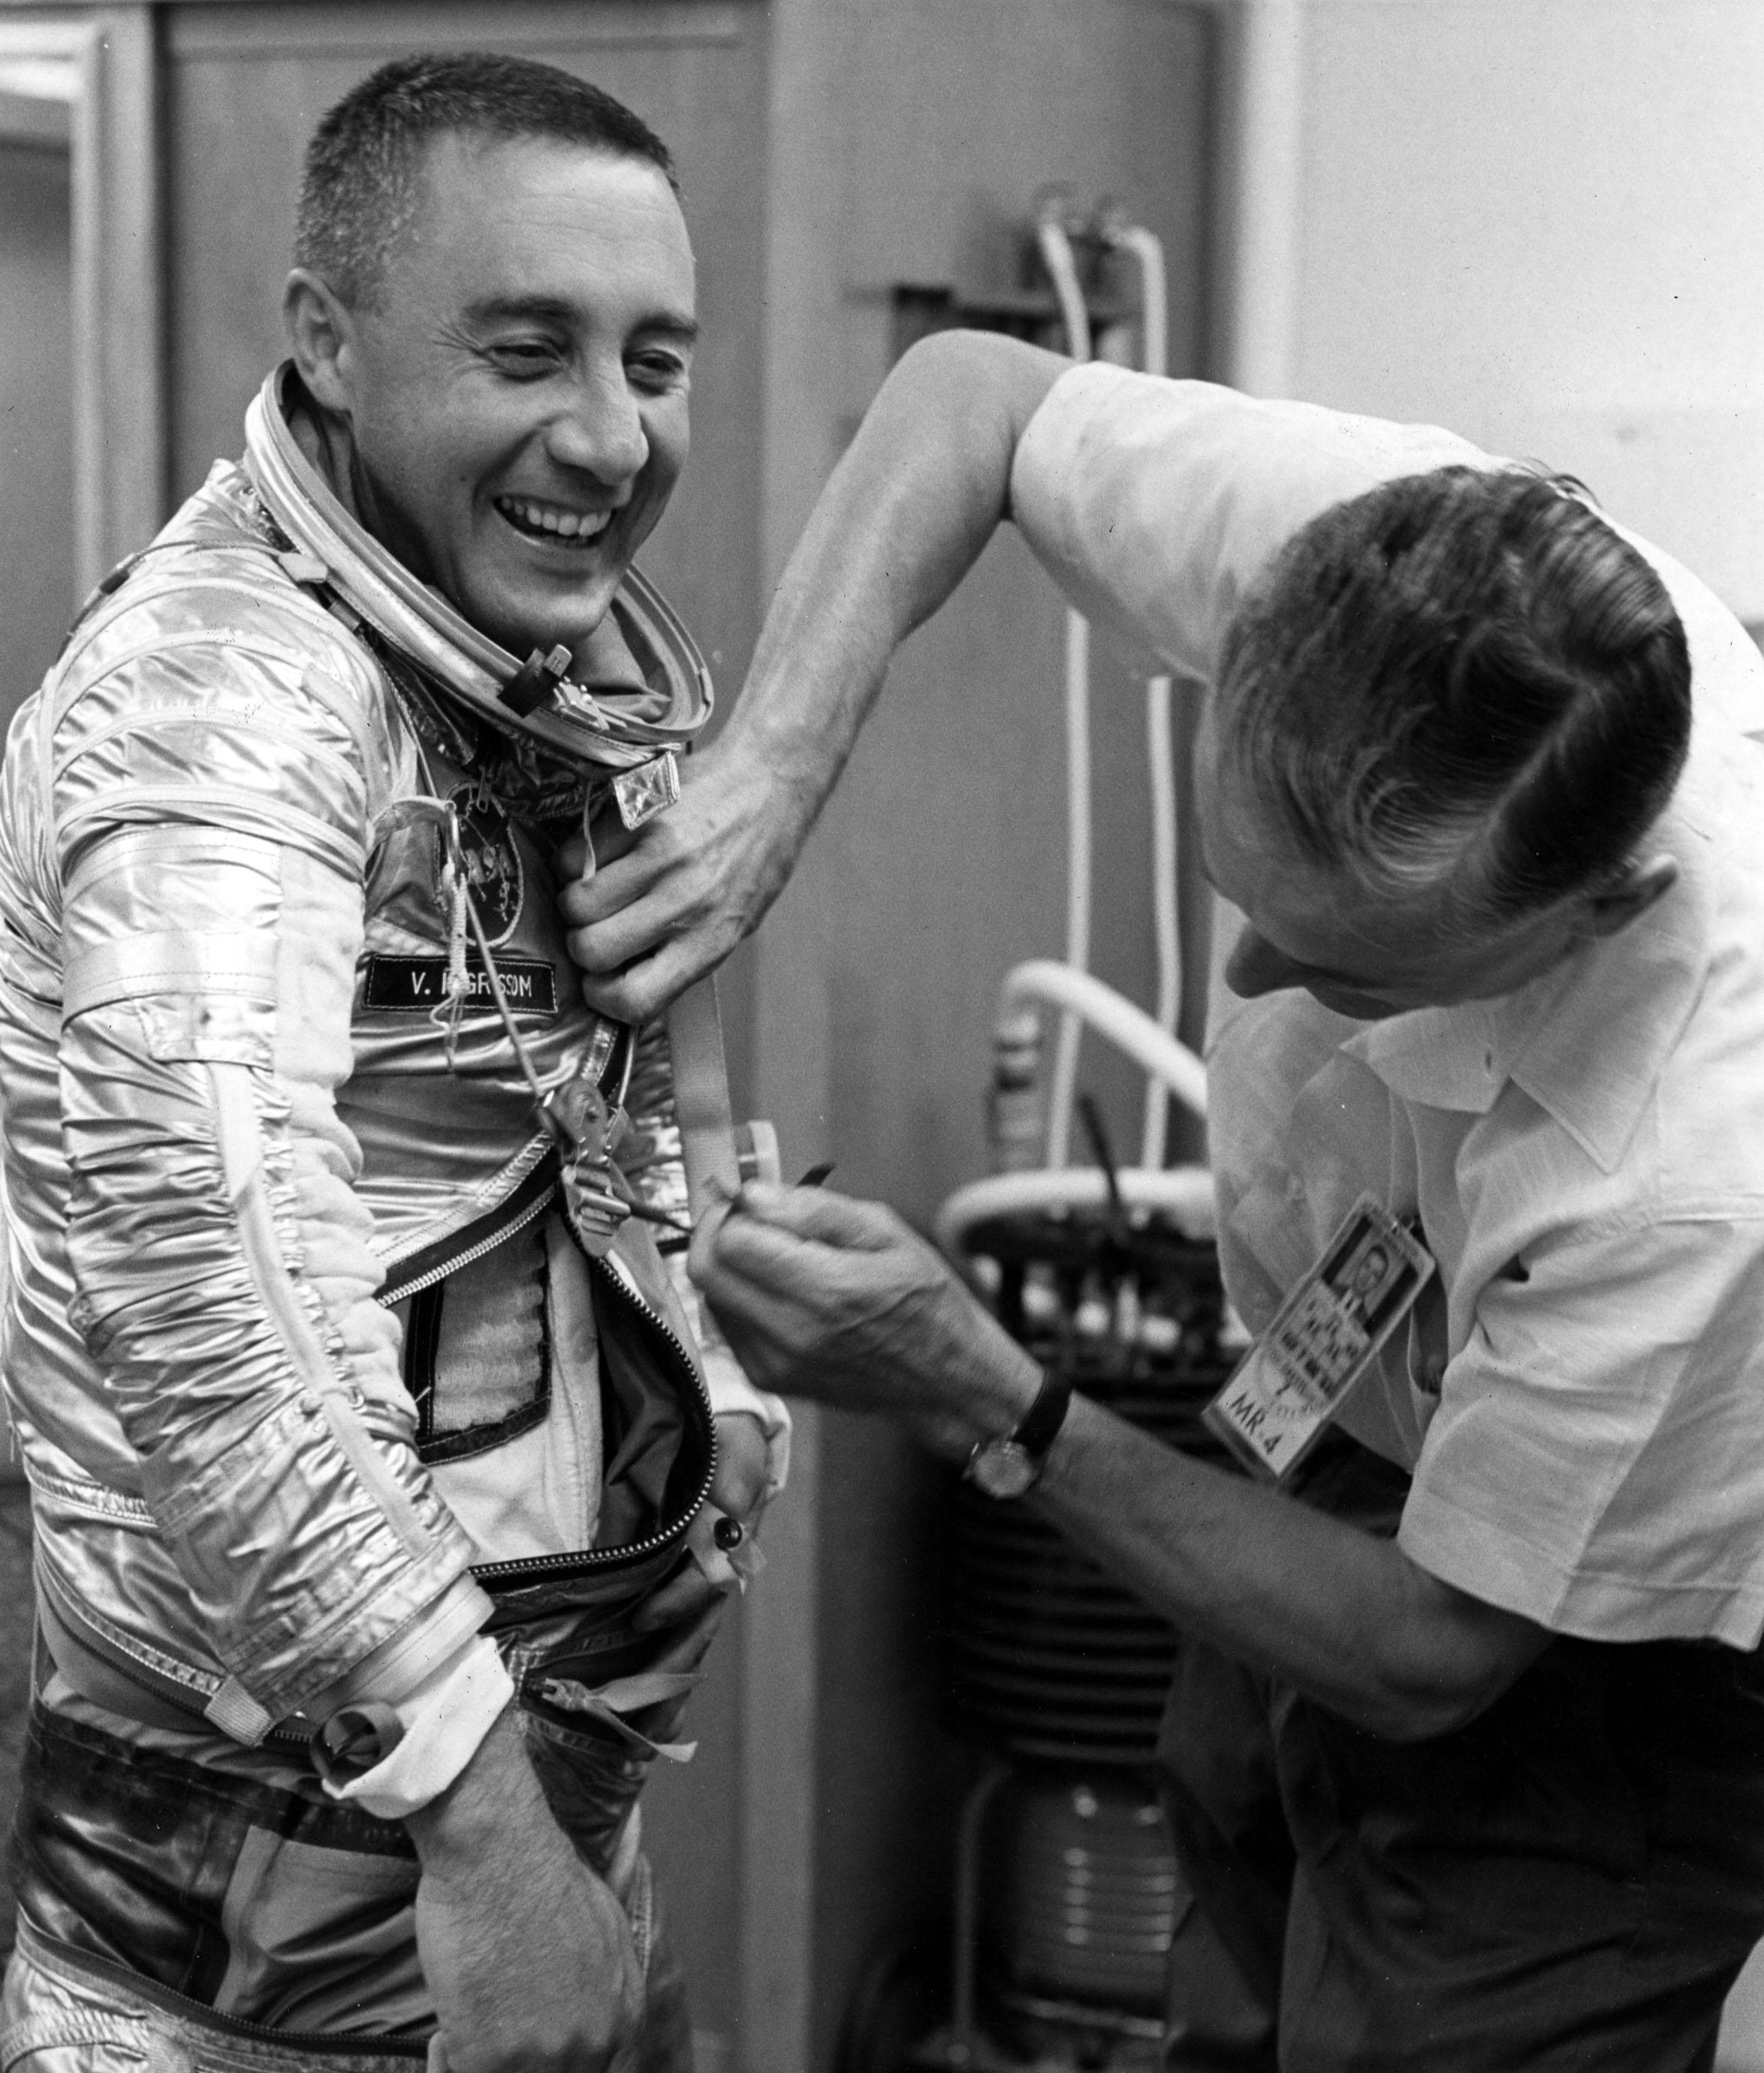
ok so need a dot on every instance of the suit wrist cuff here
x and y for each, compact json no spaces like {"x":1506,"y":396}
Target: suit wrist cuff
{"x":392,"y":1759}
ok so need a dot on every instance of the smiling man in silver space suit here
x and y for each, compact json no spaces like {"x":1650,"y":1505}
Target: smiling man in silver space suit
{"x":383,"y":1487}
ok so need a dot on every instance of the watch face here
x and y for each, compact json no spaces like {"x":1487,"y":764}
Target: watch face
{"x":1002,"y":1468}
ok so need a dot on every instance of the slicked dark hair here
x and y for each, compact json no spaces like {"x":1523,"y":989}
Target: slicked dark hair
{"x":1464,"y":680}
{"x":363,"y":166}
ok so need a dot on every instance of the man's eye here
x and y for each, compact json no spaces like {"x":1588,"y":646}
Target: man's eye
{"x":525,"y":355}
{"x":659,"y":370}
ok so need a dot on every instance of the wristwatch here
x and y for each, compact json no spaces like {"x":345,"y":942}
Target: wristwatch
{"x":1011,"y":1466}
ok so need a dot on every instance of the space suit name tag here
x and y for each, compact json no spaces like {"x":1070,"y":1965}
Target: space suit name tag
{"x":1287,"y":1388}
{"x":408,"y":985}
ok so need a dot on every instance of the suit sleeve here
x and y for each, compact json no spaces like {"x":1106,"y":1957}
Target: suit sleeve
{"x":212,"y":804}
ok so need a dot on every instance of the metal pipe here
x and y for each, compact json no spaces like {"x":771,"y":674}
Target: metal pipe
{"x":1056,"y":247}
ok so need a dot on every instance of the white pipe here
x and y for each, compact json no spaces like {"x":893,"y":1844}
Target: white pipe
{"x":1161,"y":755}
{"x":1062,"y":1087}
{"x":1147,"y":251}
{"x":1129,"y":1028}
{"x":1181,"y":1194}
{"x":1265,"y":197}
{"x":1056,"y":247}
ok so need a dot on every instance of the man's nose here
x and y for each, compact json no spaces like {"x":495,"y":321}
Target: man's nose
{"x":601,"y":432}
{"x":1255,"y":966}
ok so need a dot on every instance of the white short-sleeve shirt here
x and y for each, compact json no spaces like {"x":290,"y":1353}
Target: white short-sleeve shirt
{"x":1581,"y":1397}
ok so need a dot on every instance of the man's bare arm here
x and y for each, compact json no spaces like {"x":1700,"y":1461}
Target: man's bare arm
{"x":528,"y":1954}
{"x":825,"y":1297}
{"x":905,"y":515}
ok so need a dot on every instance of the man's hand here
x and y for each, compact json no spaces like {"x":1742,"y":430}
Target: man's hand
{"x":827,"y":1297}
{"x":737,"y":1492}
{"x":527,"y":1953}
{"x":913,"y":501}
{"x":669,"y":904}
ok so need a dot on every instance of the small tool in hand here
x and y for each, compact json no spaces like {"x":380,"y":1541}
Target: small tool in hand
{"x":644,"y":1215}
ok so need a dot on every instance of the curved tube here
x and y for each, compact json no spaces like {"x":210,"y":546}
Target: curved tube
{"x":1183,"y":1194}
{"x":1146,"y":251}
{"x":1062,"y":1087}
{"x":1055,"y":250}
{"x":1161,"y":759}
{"x":1056,"y":247}
{"x":966,"y":1957}
{"x":1130,"y":1028}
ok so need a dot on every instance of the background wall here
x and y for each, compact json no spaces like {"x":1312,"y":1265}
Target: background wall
{"x":37,"y":599}
{"x":908,"y":141}
{"x":38,"y":591}
{"x":1541,"y":222}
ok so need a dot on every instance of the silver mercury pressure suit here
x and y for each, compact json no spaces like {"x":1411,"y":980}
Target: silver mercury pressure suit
{"x":314,"y":1376}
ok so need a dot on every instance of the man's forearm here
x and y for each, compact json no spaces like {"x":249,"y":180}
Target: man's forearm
{"x":837,"y":1299}
{"x":527,"y":1953}
{"x":1346,"y":1618}
{"x":906,"y":513}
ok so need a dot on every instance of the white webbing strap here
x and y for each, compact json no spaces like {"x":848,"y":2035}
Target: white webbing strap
{"x":701,"y":1097}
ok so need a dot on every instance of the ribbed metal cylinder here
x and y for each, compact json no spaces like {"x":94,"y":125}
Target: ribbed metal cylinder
{"x":1083,"y":1891}
{"x":1048,"y":1657}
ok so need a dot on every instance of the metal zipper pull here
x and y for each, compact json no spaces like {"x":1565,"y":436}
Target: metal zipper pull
{"x":576,"y":1115}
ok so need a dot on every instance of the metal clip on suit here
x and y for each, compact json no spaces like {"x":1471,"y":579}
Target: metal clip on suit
{"x":536,"y":679}
{"x":647,"y":791}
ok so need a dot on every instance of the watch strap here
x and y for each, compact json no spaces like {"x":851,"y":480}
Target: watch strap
{"x":1041,"y":1422}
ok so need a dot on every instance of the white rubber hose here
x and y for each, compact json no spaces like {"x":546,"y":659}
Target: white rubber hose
{"x":1056,"y":247}
{"x":1130,"y":1028}
{"x":1184,"y":1194}
{"x":1147,"y":251}
{"x":1166,"y":921}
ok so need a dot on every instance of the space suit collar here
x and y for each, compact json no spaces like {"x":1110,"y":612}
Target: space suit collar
{"x":651,"y":691}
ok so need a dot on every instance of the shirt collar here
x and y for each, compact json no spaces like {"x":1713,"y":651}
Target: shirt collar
{"x":1588,"y":1040}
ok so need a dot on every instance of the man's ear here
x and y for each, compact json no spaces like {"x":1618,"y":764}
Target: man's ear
{"x":1615,"y":907}
{"x":322,"y":333}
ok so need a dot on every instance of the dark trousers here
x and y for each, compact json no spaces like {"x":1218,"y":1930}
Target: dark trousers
{"x":1571,"y":1882}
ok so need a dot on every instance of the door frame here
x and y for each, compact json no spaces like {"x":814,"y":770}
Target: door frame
{"x":118,"y":369}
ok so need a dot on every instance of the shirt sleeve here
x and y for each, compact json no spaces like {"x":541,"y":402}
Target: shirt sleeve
{"x":1156,"y":505}
{"x":1592,"y":1463}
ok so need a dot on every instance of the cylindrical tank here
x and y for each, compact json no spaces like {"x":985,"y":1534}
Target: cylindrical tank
{"x":1083,"y":1891}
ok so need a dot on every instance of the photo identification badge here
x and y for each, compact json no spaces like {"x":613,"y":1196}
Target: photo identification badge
{"x":1323,"y":1337}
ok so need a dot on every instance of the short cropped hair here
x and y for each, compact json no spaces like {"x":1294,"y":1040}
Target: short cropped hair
{"x":1466,"y":681}
{"x":362,"y":179}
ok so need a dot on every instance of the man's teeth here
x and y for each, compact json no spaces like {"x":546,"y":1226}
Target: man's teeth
{"x":549,"y":518}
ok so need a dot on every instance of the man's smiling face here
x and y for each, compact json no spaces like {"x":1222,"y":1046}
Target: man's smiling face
{"x":516,"y":393}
